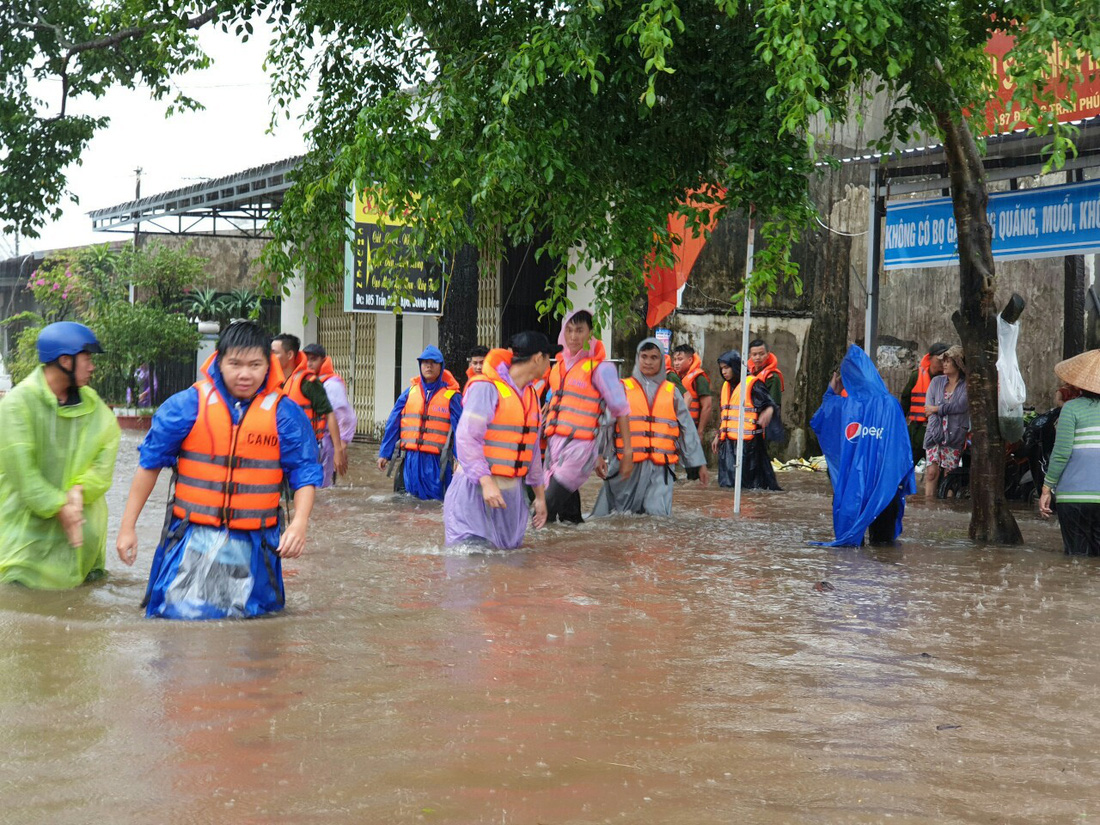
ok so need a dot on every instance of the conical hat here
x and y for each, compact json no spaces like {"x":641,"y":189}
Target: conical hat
{"x":1081,"y":371}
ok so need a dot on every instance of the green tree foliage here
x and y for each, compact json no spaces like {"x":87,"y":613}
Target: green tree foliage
{"x":92,"y":286}
{"x":135,"y":336}
{"x":161,"y":275}
{"x":541,"y":117}
{"x":59,"y":51}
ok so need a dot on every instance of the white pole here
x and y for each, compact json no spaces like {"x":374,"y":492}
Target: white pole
{"x":744,"y":360}
{"x":872,"y":241}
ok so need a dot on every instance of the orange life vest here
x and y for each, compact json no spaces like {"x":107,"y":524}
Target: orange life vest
{"x":511,"y":435}
{"x":575,"y":403}
{"x":425,"y":426}
{"x":326,"y":372}
{"x":769,"y":368}
{"x":653,"y":429}
{"x":292,"y":386}
{"x":917,"y":414}
{"x":226,"y":474}
{"x":693,"y":371}
{"x":730,"y":429}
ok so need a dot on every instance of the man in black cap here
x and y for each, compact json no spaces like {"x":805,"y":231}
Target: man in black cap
{"x":337,"y":391}
{"x":912,"y":397}
{"x":496,"y":443}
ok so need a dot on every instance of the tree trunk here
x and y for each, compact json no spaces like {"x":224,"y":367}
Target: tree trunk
{"x":976,"y":322}
{"x":827,"y":277}
{"x":458,"y":325}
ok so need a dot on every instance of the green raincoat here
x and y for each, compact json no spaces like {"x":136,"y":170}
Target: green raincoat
{"x":46,"y":449}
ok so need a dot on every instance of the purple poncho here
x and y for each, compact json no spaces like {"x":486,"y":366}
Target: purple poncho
{"x":465,"y":514}
{"x":570,"y":460}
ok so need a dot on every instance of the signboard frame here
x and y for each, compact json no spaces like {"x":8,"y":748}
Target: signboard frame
{"x":1045,"y":222}
{"x":368,"y":288}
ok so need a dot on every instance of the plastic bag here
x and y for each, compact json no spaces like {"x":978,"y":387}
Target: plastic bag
{"x":214,"y":575}
{"x":1011,"y":390}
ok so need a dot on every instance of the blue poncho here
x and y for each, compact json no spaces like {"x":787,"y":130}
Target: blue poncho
{"x":866,"y":443}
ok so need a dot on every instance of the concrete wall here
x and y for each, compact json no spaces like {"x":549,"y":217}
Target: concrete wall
{"x":232,"y":259}
{"x":810,"y":331}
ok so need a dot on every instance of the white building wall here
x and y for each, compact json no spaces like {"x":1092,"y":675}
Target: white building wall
{"x":297,"y":315}
{"x":584,"y":296}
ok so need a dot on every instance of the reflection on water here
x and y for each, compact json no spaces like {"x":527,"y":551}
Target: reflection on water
{"x":680,"y":670}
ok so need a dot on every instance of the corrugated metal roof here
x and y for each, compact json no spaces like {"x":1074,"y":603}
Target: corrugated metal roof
{"x":235,"y":204}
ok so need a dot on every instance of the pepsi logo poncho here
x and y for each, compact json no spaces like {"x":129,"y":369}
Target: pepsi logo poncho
{"x":866,"y":443}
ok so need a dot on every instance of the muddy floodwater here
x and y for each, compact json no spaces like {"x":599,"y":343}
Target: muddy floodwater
{"x":633,"y":670}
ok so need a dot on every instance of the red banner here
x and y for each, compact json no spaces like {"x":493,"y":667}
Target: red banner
{"x":1000,"y":118}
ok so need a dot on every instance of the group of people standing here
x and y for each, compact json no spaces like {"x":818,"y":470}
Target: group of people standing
{"x":545,"y":418}
{"x":267,"y":419}
{"x":264,"y":420}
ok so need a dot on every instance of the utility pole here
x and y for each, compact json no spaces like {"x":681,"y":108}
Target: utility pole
{"x":137,"y":224}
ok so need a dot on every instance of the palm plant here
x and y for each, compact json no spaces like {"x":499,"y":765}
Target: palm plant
{"x":242,"y":303}
{"x":205,"y":305}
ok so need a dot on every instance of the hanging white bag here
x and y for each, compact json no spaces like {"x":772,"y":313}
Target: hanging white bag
{"x":1011,"y":391}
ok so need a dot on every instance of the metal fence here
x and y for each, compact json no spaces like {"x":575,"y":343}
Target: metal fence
{"x":153,"y":386}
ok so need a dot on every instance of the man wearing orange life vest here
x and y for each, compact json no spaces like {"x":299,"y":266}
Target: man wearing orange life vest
{"x":696,"y":386}
{"x":744,"y":415}
{"x":582,"y":385}
{"x":234,"y":439}
{"x":476,"y":362}
{"x":497,"y":447}
{"x":337,"y":392}
{"x":912,"y":397}
{"x":662,"y":432}
{"x":301,"y":386}
{"x":424,"y":417}
{"x":765,"y":366}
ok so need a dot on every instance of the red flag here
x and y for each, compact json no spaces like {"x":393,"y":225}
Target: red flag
{"x":663,"y":283}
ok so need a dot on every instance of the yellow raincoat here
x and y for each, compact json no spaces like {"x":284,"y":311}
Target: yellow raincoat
{"x":46,"y":449}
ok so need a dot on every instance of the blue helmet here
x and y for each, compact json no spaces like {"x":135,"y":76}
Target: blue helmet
{"x":65,"y":338}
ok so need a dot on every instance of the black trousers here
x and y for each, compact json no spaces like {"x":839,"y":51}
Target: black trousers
{"x":1080,"y":525}
{"x":881,"y":530}
{"x":563,"y":505}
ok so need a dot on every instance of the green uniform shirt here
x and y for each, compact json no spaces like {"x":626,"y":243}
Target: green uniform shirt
{"x":314,"y":391}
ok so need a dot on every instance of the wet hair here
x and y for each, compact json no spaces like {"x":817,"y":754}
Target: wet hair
{"x":243,"y":335}
{"x":478,"y":352}
{"x":291,"y":343}
{"x":1090,"y":395}
{"x":647,"y":346}
{"x":759,"y":342}
{"x":581,"y":317}
{"x":687,"y":349}
{"x":955,"y":353}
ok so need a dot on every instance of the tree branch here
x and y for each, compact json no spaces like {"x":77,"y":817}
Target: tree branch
{"x":105,"y":42}
{"x":114,"y":38}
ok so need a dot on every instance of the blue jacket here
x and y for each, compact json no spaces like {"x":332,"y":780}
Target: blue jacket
{"x":176,"y":416}
{"x":393,"y":424}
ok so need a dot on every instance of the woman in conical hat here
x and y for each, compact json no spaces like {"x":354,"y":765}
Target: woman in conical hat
{"x":1073,"y":477}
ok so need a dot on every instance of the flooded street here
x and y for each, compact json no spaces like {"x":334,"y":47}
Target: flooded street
{"x":631,"y":670}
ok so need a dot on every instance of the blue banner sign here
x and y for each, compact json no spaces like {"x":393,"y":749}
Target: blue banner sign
{"x":1053,"y":221}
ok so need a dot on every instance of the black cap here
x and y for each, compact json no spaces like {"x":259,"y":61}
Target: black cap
{"x":314,"y":349}
{"x":938,"y":348}
{"x":526,"y":344}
